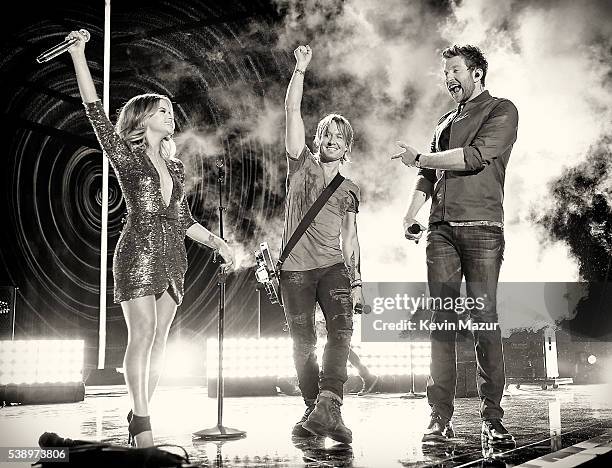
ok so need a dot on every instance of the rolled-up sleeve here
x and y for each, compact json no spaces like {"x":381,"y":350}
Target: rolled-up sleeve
{"x":496,"y":136}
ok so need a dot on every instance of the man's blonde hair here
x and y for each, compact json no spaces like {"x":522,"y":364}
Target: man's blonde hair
{"x":345,"y":129}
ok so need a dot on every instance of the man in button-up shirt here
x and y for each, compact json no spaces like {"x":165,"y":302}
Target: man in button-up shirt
{"x":464,"y":175}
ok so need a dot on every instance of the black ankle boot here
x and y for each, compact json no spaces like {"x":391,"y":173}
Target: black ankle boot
{"x":137,"y":425}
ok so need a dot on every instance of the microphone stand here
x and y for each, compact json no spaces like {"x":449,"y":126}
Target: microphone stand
{"x":220,"y":432}
{"x":411,"y":395}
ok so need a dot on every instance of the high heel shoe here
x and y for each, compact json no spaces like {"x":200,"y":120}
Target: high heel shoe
{"x":137,"y":425}
{"x":129,"y":420}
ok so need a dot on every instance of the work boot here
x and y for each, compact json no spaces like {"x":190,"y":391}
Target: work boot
{"x":369,"y":383}
{"x":494,"y":432}
{"x":298,"y":430}
{"x":439,"y":429}
{"x":326,"y":419}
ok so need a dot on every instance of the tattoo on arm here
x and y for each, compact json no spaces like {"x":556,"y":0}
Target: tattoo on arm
{"x":352,"y":267}
{"x":210,"y":241}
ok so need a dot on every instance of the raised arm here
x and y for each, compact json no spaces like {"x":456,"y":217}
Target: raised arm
{"x":294,"y":132}
{"x":84,"y":80}
{"x":113,"y":145}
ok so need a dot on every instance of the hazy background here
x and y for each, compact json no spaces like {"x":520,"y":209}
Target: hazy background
{"x":226,"y":66}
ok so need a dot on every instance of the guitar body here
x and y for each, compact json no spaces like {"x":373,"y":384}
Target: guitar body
{"x":267,"y":274}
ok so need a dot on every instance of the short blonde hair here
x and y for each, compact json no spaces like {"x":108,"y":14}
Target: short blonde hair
{"x":343,"y":125}
{"x":131,"y":122}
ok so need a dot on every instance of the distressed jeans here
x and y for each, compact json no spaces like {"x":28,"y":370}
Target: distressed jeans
{"x":475,"y":252}
{"x":331,"y":288}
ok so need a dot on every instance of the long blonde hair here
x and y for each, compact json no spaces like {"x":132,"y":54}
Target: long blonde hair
{"x":131,"y":122}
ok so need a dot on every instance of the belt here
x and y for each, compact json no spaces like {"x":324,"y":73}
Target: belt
{"x":470,"y":223}
{"x":145,"y":216}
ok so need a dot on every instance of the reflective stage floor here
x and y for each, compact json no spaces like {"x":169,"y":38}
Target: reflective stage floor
{"x":386,"y":429}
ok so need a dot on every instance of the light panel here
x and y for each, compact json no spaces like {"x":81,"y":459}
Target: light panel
{"x":41,"y":361}
{"x":269,"y":357}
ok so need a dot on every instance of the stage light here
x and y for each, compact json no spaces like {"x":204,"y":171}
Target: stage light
{"x":272,"y":358}
{"x":592,"y":359}
{"x":42,"y":371}
{"x":41,"y":361}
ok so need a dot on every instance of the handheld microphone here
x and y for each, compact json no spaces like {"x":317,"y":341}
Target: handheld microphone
{"x":61,"y":48}
{"x":51,"y":439}
{"x":362,"y":309}
{"x":415,"y":228}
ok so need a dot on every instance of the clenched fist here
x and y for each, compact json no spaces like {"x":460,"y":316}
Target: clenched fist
{"x":303,"y":54}
{"x":81,"y":36}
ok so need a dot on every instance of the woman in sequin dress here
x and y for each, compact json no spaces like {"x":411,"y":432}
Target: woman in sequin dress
{"x":150,"y":261}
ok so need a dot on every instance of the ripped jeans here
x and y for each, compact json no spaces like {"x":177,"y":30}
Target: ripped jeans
{"x":331,"y":288}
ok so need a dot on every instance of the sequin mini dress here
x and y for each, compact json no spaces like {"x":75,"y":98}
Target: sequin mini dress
{"x":150,"y":255}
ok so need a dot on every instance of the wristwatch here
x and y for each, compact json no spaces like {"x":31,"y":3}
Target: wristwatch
{"x":417,"y":163}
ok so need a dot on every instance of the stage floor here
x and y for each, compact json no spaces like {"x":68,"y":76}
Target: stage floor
{"x":386,"y":429}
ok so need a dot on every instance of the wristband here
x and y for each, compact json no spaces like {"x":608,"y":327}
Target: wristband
{"x":297,"y":70}
{"x":417,"y":163}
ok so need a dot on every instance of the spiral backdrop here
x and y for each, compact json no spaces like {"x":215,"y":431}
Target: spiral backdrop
{"x":52,"y":176}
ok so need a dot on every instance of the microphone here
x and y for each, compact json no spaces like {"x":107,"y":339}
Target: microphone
{"x":415,"y":228}
{"x":51,"y":439}
{"x":221,"y":169}
{"x":362,"y":309}
{"x":61,"y":48}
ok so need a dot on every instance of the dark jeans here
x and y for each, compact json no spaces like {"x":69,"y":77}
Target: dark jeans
{"x":475,"y":252}
{"x":331,"y":288}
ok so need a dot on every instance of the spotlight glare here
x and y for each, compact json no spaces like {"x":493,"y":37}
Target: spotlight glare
{"x":592,"y":359}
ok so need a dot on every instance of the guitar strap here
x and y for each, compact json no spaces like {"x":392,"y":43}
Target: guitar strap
{"x":310,"y":215}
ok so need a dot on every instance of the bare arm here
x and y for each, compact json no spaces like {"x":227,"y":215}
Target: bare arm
{"x":350,"y":246}
{"x":200,"y":234}
{"x":450,"y":160}
{"x":417,"y":200}
{"x":352,"y":258}
{"x":84,"y":80}
{"x":294,"y":132}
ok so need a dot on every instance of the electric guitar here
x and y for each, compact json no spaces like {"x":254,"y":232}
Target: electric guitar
{"x":267,"y":275}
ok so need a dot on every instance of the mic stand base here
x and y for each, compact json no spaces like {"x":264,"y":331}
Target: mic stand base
{"x":220,"y":432}
{"x":412,"y":396}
